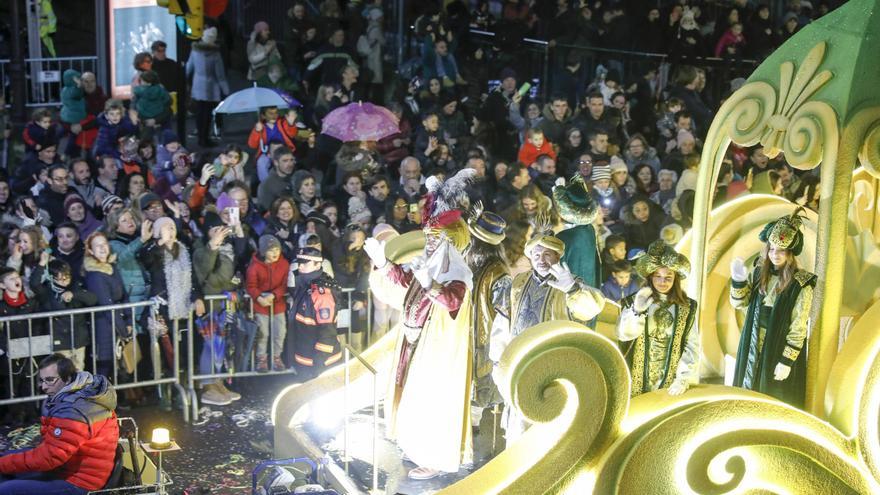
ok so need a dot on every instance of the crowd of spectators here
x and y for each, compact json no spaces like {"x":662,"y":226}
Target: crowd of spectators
{"x":108,"y":206}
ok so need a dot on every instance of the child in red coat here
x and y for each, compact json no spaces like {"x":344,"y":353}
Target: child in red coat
{"x":534,"y":147}
{"x":267,"y":286}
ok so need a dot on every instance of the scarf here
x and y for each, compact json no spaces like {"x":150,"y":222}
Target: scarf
{"x":91,"y":264}
{"x":57,"y":289}
{"x":15,"y":302}
{"x":178,"y":282}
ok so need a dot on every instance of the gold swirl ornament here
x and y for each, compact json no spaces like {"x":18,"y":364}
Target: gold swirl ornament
{"x":572,"y":384}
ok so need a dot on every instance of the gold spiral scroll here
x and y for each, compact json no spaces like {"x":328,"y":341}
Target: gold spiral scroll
{"x":717,"y":440}
{"x":747,"y":112}
{"x":869,"y":154}
{"x":573,"y":385}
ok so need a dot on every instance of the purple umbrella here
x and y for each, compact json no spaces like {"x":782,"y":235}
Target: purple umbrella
{"x":360,"y":122}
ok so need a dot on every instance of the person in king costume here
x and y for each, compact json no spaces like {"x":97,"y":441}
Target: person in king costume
{"x":578,"y":209}
{"x":485,"y":258}
{"x":427,"y":406}
{"x":777,"y":297}
{"x":656,"y":329}
{"x":549,"y":291}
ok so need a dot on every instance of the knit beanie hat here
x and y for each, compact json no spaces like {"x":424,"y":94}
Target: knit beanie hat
{"x":108,"y":202}
{"x":159,"y":223}
{"x":224,"y":201}
{"x":71,"y":199}
{"x":617,"y":165}
{"x":267,"y":243}
{"x":601,"y":172}
{"x":169,"y":136}
{"x":358,"y":211}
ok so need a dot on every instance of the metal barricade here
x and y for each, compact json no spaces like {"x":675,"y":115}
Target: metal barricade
{"x":245,"y":366}
{"x":242,"y":366}
{"x":21,"y":352}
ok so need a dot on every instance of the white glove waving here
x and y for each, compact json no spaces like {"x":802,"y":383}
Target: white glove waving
{"x":376,"y":251}
{"x":643,"y":299}
{"x":562,"y":278}
{"x":738,"y":270}
{"x":560,"y":181}
{"x":781,"y":372}
{"x":678,"y":387}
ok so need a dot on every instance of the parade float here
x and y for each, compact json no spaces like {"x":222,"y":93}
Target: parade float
{"x":815,"y":101}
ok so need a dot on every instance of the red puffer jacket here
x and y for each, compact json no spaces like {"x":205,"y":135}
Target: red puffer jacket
{"x":265,"y":277}
{"x":79,"y":433}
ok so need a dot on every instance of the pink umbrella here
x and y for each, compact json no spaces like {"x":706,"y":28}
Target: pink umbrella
{"x":360,"y":122}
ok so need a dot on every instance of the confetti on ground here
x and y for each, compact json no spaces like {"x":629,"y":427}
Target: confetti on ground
{"x":219,"y":450}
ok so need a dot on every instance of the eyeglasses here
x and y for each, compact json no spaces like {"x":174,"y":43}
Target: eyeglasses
{"x":585,"y":162}
{"x":50,"y":380}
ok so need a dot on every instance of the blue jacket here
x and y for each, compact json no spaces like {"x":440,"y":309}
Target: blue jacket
{"x":109,"y":134}
{"x":614,"y":292}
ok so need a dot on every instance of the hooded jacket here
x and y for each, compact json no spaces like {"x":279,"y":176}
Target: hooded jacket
{"x":153,"y":101}
{"x":73,"y":102}
{"x":79,"y":435}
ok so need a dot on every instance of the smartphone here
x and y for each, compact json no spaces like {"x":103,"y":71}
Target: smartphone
{"x":234,"y":213}
{"x":218,"y":169}
{"x":414,"y":208}
{"x":524,"y":88}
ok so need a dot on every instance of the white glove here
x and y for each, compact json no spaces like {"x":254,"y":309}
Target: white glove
{"x":678,"y":387}
{"x":738,"y":270}
{"x":562,"y":278}
{"x":643,"y":299}
{"x":781,"y":372}
{"x":376,"y":251}
{"x":560,"y":181}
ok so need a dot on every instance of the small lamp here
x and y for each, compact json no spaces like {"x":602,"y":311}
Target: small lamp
{"x":160,"y":442}
{"x":161,"y":439}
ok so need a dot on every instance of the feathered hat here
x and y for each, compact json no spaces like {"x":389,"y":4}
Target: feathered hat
{"x":574,"y":202}
{"x":445,"y":200}
{"x":444,"y":203}
{"x":785,"y":233}
{"x":660,"y":255}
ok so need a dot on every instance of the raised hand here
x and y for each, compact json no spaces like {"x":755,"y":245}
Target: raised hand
{"x":562,"y":277}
